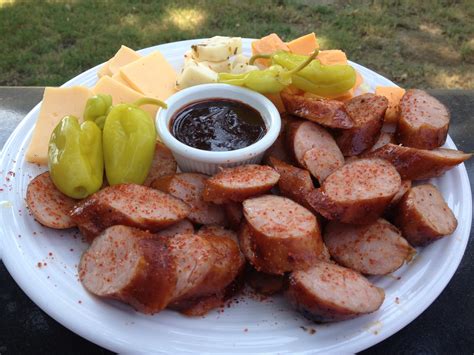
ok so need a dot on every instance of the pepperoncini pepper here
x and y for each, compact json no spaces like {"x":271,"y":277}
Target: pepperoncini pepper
{"x":129,"y":142}
{"x":97,"y":108}
{"x":269,"y":81}
{"x":76,"y":162}
{"x":319,"y":79}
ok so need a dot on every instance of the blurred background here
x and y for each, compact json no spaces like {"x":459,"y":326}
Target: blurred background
{"x":424,"y":44}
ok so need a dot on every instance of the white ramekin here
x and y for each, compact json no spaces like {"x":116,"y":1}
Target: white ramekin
{"x":196,"y":160}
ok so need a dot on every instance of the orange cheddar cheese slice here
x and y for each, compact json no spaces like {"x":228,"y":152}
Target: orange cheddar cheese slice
{"x":304,"y":45}
{"x":276,"y":99}
{"x":57,"y":103}
{"x":151,"y":75}
{"x":121,"y":93}
{"x":268,"y":45}
{"x":123,"y":57}
{"x":394,"y":94}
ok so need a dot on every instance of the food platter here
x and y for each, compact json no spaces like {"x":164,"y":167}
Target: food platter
{"x":44,"y":263}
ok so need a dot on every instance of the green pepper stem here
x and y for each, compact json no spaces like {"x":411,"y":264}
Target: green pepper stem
{"x":304,"y":64}
{"x":150,"y":101}
{"x":259,"y":56}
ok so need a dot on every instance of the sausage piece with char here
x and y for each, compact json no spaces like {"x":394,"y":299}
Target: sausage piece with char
{"x":419,"y":164}
{"x":47,"y":204}
{"x":367,"y":111}
{"x":424,"y":121}
{"x":373,"y":249}
{"x":285,"y":236}
{"x":239,"y":183}
{"x":314,"y":148}
{"x":163,"y":164}
{"x":358,"y":192}
{"x":423,"y":216}
{"x":132,"y":266}
{"x":328,"y":292}
{"x":132,"y":205}
{"x":329,"y":113}
{"x":182,"y":227}
{"x":188,"y":187}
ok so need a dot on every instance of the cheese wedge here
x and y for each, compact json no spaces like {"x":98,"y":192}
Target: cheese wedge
{"x":57,"y":103}
{"x":332,"y":56}
{"x":304,"y":45}
{"x":121,"y":93}
{"x":123,"y":57}
{"x":151,"y":75}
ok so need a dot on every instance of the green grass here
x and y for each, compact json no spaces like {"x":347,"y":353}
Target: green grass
{"x":427,"y":44}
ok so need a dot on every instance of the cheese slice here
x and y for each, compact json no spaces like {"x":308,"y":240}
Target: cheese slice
{"x":117,"y":77}
{"x":121,"y":94}
{"x":104,"y":70}
{"x":151,"y":75}
{"x":57,"y":103}
{"x":123,"y":57}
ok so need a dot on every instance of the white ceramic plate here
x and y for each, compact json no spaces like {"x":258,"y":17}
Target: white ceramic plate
{"x":247,"y":327}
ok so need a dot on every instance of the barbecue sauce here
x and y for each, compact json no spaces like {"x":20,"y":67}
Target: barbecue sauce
{"x":218,"y":125}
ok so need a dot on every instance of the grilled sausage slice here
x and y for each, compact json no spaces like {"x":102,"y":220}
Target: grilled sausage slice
{"x":373,"y":249}
{"x":384,"y":138}
{"x":358,"y":192}
{"x":132,"y":205}
{"x":404,"y":188}
{"x":47,"y":204}
{"x":367,"y":111}
{"x":234,"y":214}
{"x":263,"y":283}
{"x":424,"y":121}
{"x":182,"y":227}
{"x":163,"y":164}
{"x":294,"y":183}
{"x":129,"y":265}
{"x":423,"y":216}
{"x":286,"y":236}
{"x":314,"y":148}
{"x":329,"y":292}
{"x":189,"y":187}
{"x":278,"y":150}
{"x":239,"y":183}
{"x":420,"y":164}
{"x":329,"y":113}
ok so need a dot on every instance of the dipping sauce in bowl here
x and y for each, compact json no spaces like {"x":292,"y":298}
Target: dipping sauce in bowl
{"x":218,"y":124}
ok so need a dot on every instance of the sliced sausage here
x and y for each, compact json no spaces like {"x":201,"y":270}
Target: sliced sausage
{"x":182,"y":227}
{"x":132,"y":205}
{"x":227,"y":263}
{"x":234,"y":214}
{"x":216,"y":230}
{"x":384,"y":138}
{"x":47,"y":204}
{"x":329,"y":292}
{"x":163,"y":163}
{"x":358,"y":192}
{"x":420,"y":164}
{"x":189,"y":187}
{"x":89,"y":231}
{"x":314,"y":148}
{"x":329,"y":113}
{"x":424,"y":121}
{"x":373,"y":249}
{"x":405,"y":186}
{"x":286,"y":235}
{"x":277,"y":150}
{"x":239,"y":183}
{"x":129,"y":265}
{"x":367,"y":111}
{"x":294,"y":183}
{"x":423,"y":216}
{"x":263,"y":283}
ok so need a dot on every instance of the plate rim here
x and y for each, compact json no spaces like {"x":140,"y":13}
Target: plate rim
{"x":14,"y":266}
